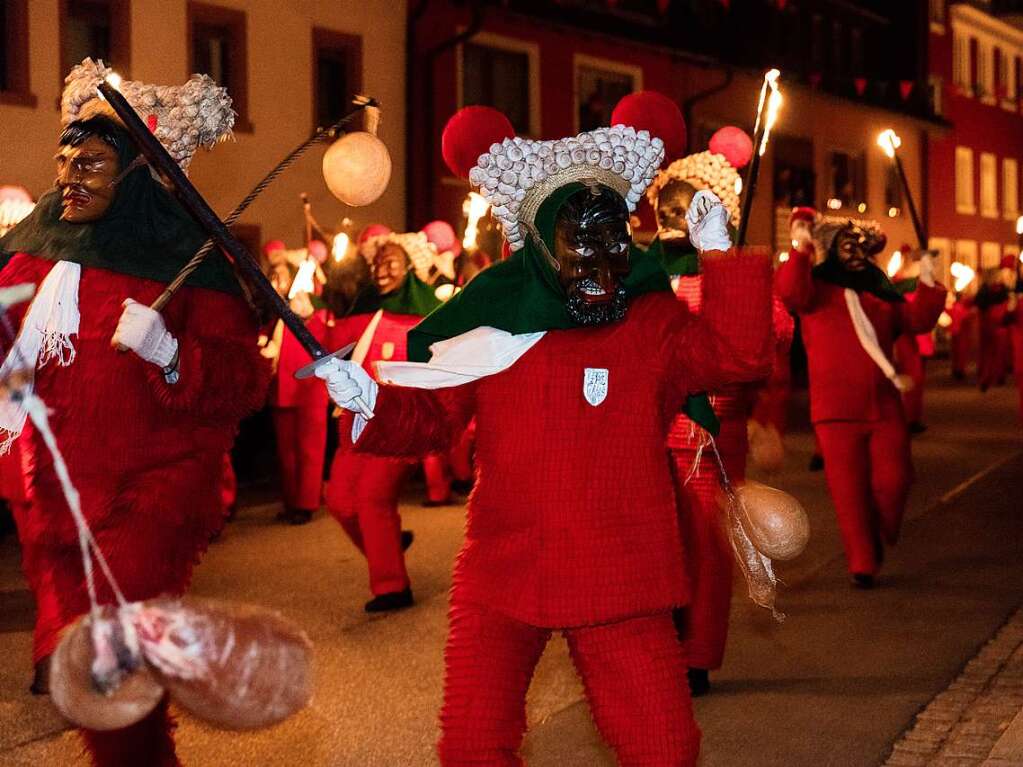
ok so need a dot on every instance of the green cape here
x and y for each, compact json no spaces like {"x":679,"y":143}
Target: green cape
{"x":145,"y":233}
{"x":523,"y":295}
{"x":413,"y":297}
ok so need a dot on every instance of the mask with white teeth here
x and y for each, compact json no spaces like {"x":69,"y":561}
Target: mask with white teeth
{"x":591,"y":249}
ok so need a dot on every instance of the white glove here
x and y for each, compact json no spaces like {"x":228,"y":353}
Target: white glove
{"x":927,"y":270}
{"x":347,"y":380}
{"x":707,"y":219}
{"x":142,"y":330}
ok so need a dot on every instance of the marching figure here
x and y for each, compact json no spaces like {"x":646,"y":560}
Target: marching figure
{"x":850,"y":316}
{"x":574,"y":357}
{"x":144,"y":431}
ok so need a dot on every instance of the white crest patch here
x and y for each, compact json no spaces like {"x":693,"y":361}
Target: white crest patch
{"x":595,"y":385}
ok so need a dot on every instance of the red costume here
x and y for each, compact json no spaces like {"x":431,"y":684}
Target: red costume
{"x":962,"y":334}
{"x":563,"y":536}
{"x":992,"y":353}
{"x":855,"y":409}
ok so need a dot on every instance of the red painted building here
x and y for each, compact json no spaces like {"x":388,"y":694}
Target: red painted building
{"x":976,"y":70}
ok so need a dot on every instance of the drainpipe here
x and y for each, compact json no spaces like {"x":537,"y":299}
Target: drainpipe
{"x":426,"y":114}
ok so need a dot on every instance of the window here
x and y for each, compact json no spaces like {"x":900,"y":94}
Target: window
{"x":937,"y":15}
{"x":1017,"y":91}
{"x":966,"y":253}
{"x":337,"y":74}
{"x":936,"y":86}
{"x":848,"y":174}
{"x":1007,"y":90}
{"x":14,"y":85}
{"x":1010,"y":189}
{"x":974,"y":70}
{"x":97,"y":29}
{"x":988,"y":185}
{"x":990,"y":255}
{"x":599,"y":85}
{"x":793,"y":172}
{"x":503,"y":73}
{"x":964,"y":181}
{"x":217,"y":47}
{"x":961,"y":61}
{"x":944,"y":248}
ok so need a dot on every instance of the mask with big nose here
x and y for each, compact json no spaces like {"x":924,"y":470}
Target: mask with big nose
{"x":86,"y":176}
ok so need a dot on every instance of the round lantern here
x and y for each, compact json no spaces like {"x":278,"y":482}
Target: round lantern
{"x":357,"y":168}
{"x":75,"y":696}
{"x":775,"y":521}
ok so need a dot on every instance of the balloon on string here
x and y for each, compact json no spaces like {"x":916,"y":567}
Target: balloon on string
{"x":357,"y":168}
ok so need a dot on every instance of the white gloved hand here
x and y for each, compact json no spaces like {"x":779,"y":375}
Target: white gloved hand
{"x":707,"y":219}
{"x":927,"y":270}
{"x":347,"y":380}
{"x":142,"y":330}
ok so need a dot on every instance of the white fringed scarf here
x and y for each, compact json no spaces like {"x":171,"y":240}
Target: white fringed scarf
{"x":867,"y":336}
{"x":45,"y":336}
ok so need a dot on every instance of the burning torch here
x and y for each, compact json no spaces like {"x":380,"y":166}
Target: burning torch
{"x":767,"y":113}
{"x":890,"y":142}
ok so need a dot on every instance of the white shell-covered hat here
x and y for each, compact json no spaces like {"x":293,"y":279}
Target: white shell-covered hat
{"x":420,"y":250}
{"x":182,"y":117}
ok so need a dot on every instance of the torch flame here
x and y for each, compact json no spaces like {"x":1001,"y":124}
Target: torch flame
{"x":889,"y":141}
{"x":114,"y":80}
{"x":1019,"y":225}
{"x":303,"y":282}
{"x":962,"y":274}
{"x":339,"y":246}
{"x":475,"y":208}
{"x":894,"y":264}
{"x":774,"y":102}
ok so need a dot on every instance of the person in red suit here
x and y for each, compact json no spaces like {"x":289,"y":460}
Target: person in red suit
{"x":362,"y":493}
{"x":703,"y":625}
{"x":912,"y":351}
{"x":961,"y":334}
{"x":574,"y":357}
{"x":144,"y":430}
{"x":850,"y":316}
{"x":994,"y":316}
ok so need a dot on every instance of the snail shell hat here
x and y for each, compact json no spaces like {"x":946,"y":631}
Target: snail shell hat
{"x":717,"y":169}
{"x":515,"y":175}
{"x":420,"y":251}
{"x":182,"y":117}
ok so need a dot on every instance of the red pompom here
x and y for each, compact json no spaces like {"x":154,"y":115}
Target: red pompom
{"x":803,"y":213}
{"x":443,"y":236}
{"x":905,"y":249}
{"x":373,"y":230}
{"x":273,"y":246}
{"x":469,"y":133}
{"x":734,"y":143}
{"x":656,"y":113}
{"x":317,"y":250}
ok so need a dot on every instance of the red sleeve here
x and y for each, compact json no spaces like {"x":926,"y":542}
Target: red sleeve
{"x":223,"y":377}
{"x":784,"y":325}
{"x":731,"y":341}
{"x":794,"y":280}
{"x":347,"y":330}
{"x":921,"y":314}
{"x":413,"y":422}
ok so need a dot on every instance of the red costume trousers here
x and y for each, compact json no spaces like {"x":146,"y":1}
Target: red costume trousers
{"x":868,"y":468}
{"x":362,"y":495}
{"x":301,"y":445}
{"x":438,"y":477}
{"x":911,"y":363}
{"x":631,"y":671}
{"x":228,"y":485}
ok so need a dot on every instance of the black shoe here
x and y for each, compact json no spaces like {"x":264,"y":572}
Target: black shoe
{"x":407,"y":536}
{"x":816,"y":462}
{"x":232,"y":512}
{"x":396,"y":600}
{"x":295,"y":516}
{"x":917,"y":427}
{"x":699,"y":681}
{"x":863,"y":581}
{"x":41,"y":678}
{"x":959,"y":375}
{"x":462,"y":486}
{"x":428,"y":504}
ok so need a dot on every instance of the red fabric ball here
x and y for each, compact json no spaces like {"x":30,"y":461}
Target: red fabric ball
{"x":803,"y":214}
{"x":656,"y":113}
{"x":273,"y":246}
{"x":469,"y":133}
{"x":373,"y":230}
{"x":905,"y":248}
{"x":443,"y":236}
{"x":734,"y":143}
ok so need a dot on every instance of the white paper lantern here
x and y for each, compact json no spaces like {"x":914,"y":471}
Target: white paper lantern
{"x":357,"y":168}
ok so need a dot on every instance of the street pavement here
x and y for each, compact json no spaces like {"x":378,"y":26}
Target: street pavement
{"x":838,"y":683}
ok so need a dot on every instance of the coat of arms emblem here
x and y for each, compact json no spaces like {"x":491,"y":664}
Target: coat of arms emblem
{"x":595,"y":385}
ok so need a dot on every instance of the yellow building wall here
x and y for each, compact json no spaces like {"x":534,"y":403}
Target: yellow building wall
{"x":280,"y":108}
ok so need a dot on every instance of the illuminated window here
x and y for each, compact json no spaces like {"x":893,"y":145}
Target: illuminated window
{"x":988,"y":185}
{"x":1010,"y":188}
{"x":990,"y":255}
{"x":217,"y":47}
{"x":14,"y":85}
{"x":502,"y":72}
{"x":848,"y":174}
{"x":97,"y":29}
{"x":337,"y":74}
{"x":964,"y":181}
{"x":966,"y":253}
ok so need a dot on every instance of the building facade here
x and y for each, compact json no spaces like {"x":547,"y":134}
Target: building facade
{"x":288,"y":66}
{"x":849,"y":71}
{"x":976,"y":63}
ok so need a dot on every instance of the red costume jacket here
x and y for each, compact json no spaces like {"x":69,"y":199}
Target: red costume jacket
{"x":288,"y":391}
{"x":573,"y":518}
{"x":845,"y":383}
{"x":135,"y":444}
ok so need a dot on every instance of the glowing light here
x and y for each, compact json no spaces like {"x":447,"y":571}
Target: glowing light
{"x":114,"y":80}
{"x":303,"y":282}
{"x":889,"y":141}
{"x":738,"y":185}
{"x":795,"y":244}
{"x":945,"y":320}
{"x":339,"y":246}
{"x":894,"y":264}
{"x":444,"y":292}
{"x":862,"y":207}
{"x":774,"y":102}
{"x":893,"y":212}
{"x":1019,"y":225}
{"x":474,"y":209}
{"x":784,"y":255}
{"x":962,"y":274}
{"x":834,"y":203}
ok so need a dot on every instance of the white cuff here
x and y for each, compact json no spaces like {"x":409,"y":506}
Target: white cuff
{"x":166,"y":348}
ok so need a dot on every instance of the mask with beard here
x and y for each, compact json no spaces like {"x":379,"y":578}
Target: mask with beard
{"x":591,"y":252}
